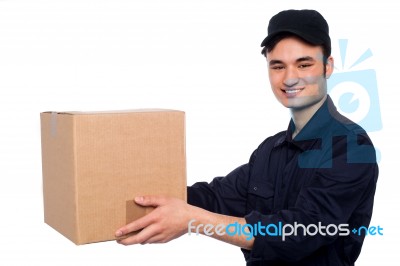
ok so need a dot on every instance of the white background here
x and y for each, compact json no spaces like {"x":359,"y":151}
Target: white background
{"x":202,"y":57}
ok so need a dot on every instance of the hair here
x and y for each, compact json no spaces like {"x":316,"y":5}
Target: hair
{"x":326,"y":48}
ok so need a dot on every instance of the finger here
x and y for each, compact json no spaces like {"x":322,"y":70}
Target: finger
{"x":150,"y":200}
{"x":141,"y":238}
{"x":135,"y":225}
{"x":158,"y":238}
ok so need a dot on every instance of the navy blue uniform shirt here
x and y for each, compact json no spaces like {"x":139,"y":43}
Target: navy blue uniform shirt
{"x":325,"y":176}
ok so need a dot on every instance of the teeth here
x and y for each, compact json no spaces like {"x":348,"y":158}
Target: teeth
{"x":291,"y":91}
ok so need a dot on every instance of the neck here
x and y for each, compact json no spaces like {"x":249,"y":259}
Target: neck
{"x":301,"y":116}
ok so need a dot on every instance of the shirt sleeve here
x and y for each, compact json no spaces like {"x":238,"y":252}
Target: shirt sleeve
{"x":329,"y":199}
{"x":225,"y":195}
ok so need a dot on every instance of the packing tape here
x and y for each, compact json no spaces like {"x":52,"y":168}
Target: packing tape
{"x":53,"y":124}
{"x":134,"y":211}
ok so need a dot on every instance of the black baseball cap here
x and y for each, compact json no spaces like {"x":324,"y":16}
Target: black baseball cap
{"x":307,"y":24}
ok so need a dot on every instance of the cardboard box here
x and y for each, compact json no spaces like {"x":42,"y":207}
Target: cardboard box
{"x":95,"y":163}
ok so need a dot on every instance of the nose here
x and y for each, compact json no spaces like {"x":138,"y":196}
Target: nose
{"x":291,"y":77}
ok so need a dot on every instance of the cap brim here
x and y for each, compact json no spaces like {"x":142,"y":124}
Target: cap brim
{"x":299,"y":34}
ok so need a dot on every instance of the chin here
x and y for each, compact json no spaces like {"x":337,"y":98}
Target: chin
{"x":301,"y":102}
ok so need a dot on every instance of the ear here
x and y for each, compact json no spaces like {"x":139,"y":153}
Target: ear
{"x":329,"y":67}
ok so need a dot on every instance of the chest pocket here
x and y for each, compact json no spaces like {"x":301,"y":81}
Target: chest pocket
{"x":260,"y":197}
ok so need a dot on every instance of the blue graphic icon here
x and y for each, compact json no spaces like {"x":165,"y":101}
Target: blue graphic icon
{"x":355,"y":93}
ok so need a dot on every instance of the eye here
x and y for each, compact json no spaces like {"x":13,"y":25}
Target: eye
{"x":302,"y":66}
{"x":277,"y":67}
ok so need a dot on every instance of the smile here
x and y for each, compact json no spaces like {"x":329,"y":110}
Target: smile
{"x":291,"y":91}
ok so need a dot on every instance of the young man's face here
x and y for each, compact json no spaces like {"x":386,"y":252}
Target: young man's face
{"x":296,"y":73}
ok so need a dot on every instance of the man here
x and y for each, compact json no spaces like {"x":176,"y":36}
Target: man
{"x":318,"y":177}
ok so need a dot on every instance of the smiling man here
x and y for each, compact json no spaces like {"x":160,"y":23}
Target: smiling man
{"x":303,"y":189}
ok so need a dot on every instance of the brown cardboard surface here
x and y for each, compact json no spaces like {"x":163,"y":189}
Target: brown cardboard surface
{"x":95,"y":163}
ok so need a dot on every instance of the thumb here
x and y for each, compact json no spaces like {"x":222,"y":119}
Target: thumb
{"x":150,"y":200}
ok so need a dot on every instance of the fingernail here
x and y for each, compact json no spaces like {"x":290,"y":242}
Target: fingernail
{"x":118,"y":233}
{"x":138,"y":199}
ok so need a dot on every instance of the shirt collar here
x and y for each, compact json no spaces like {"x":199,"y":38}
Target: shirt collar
{"x":315,"y":129}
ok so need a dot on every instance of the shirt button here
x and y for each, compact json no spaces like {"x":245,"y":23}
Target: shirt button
{"x":255,"y":188}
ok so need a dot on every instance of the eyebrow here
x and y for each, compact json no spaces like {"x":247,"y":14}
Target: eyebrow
{"x":298,"y":60}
